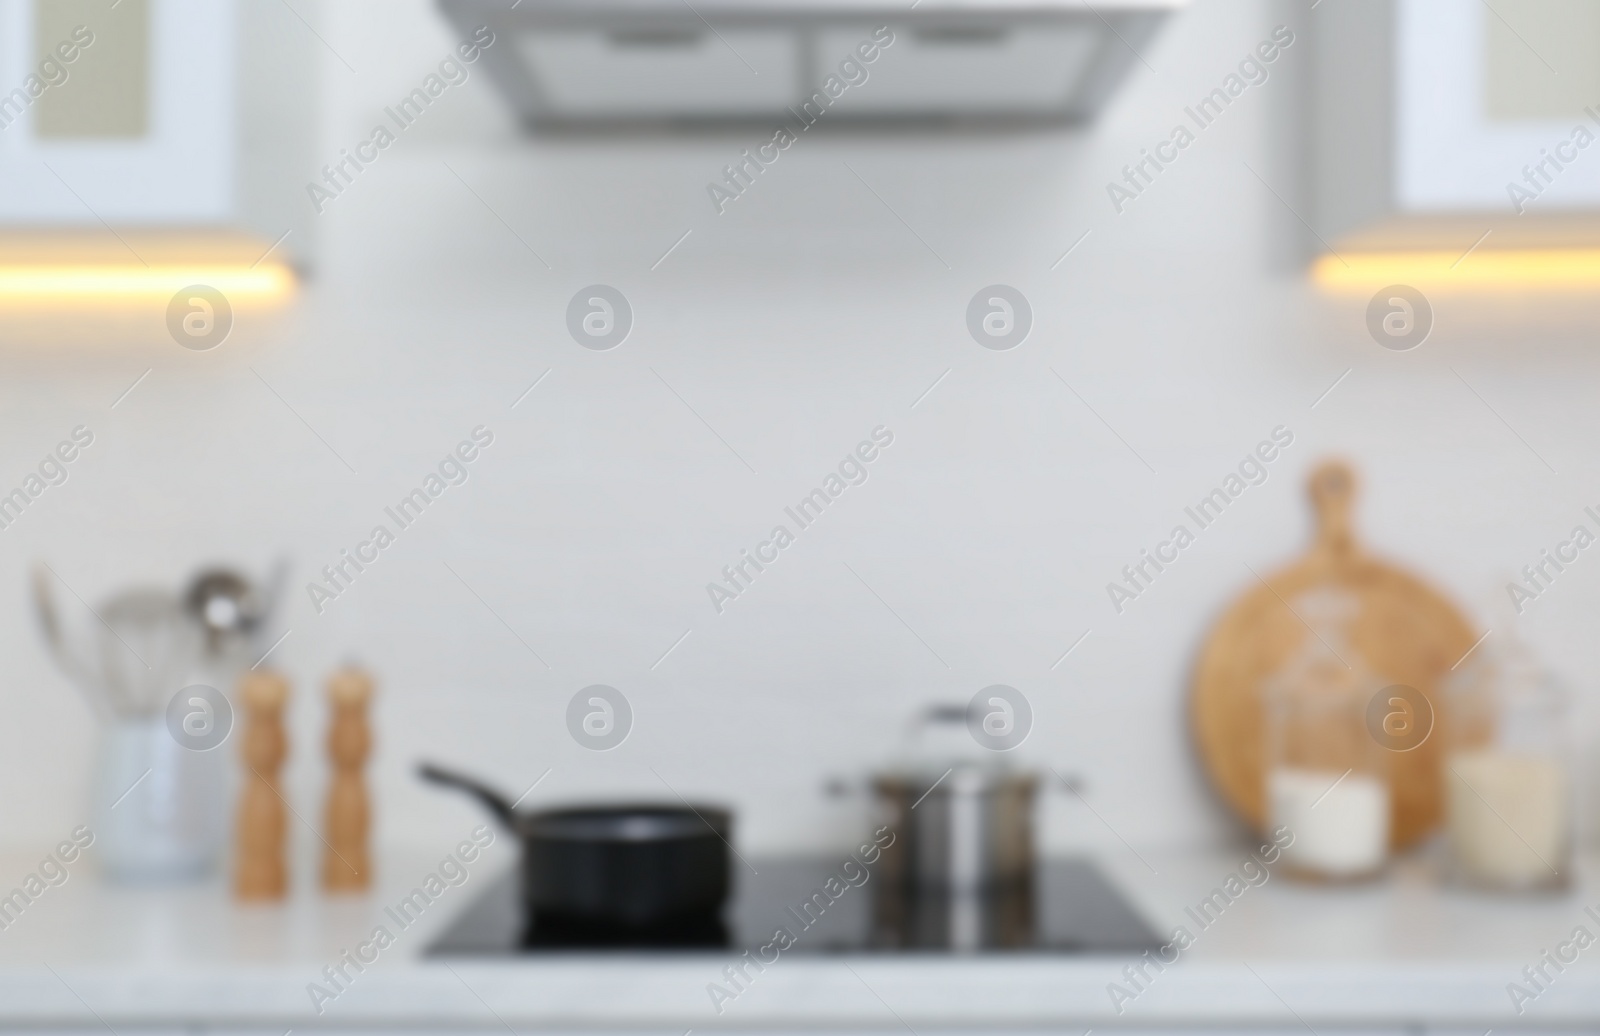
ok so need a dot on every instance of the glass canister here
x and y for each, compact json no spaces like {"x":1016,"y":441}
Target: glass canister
{"x":1507,"y":780}
{"x":1327,"y":778}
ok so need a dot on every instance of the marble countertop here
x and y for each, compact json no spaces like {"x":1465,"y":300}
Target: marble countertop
{"x":1404,"y":951}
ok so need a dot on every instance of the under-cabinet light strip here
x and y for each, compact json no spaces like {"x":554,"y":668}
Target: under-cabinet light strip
{"x":1556,"y":268}
{"x":44,"y":282}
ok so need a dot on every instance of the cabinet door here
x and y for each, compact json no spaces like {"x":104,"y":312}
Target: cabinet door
{"x":121,"y":114}
{"x":1481,"y":105}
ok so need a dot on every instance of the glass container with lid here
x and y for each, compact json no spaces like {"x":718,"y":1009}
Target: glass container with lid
{"x":1327,"y":780}
{"x":1507,"y":782}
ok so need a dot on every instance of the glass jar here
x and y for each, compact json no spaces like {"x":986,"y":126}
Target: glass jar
{"x":1507,"y":784}
{"x":1326,"y":777}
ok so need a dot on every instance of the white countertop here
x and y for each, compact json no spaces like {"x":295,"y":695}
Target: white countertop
{"x":1399,"y":952}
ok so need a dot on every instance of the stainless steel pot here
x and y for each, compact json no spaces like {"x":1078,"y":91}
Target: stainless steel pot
{"x":967,"y":828}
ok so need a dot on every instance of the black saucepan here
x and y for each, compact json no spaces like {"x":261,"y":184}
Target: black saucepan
{"x":615,"y":873}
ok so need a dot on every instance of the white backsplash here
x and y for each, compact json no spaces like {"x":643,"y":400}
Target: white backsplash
{"x":772,"y":340}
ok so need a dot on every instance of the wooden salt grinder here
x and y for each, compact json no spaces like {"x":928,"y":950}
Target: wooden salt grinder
{"x":259,"y":869}
{"x":347,"y":819}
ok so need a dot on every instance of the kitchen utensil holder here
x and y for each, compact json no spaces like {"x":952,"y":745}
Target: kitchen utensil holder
{"x":159,"y":808}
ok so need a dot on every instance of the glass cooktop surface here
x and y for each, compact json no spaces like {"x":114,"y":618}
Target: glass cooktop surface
{"x":1071,"y":907}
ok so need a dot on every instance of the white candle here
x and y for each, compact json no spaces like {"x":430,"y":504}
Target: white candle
{"x":1507,"y":816}
{"x":1340,"y":825}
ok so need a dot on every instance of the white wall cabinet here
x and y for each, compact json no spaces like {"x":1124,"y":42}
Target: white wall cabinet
{"x":180,"y":169}
{"x":1430,"y":109}
{"x":175,"y":113}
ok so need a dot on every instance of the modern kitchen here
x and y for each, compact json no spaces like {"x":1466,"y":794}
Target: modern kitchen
{"x":799,"y":516}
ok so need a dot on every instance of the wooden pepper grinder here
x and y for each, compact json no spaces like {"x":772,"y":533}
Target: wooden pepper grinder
{"x":347,"y":819}
{"x":260,"y":870}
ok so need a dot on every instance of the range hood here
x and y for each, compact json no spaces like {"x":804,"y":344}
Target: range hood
{"x":582,"y":63}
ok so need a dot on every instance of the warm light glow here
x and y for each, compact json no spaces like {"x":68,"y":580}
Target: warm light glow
{"x":46,"y":283}
{"x":1555,"y":268}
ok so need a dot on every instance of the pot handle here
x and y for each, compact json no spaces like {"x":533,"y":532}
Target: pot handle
{"x":498,"y":804}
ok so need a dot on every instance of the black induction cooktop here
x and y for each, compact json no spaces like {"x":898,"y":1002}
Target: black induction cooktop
{"x":1069,"y":907}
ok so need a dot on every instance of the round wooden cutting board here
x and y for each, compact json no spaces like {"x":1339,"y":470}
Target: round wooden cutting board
{"x":1404,"y":631}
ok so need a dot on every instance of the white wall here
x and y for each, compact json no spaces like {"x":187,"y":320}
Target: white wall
{"x":795,"y":323}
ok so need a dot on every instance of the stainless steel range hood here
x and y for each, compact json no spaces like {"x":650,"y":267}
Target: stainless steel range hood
{"x":575,"y":63}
